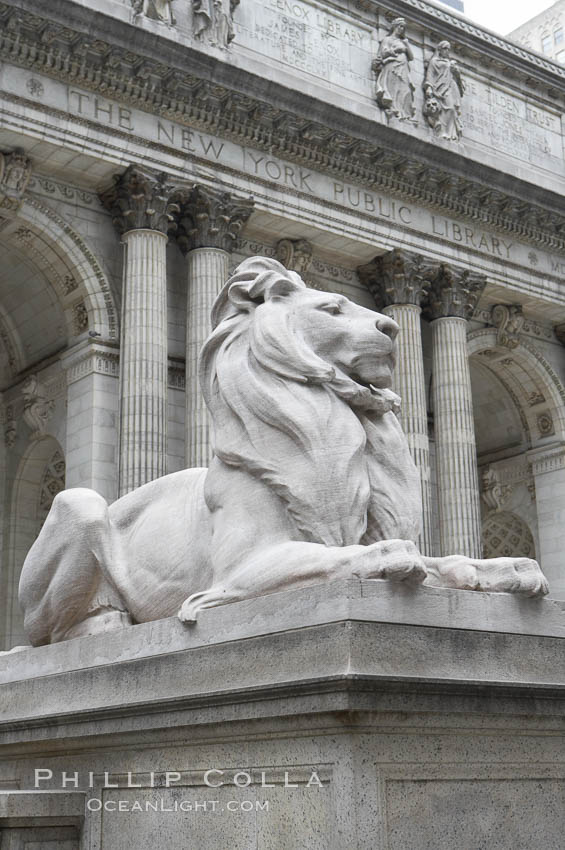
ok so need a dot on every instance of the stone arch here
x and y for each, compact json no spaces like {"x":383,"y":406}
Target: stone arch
{"x":530,"y":381}
{"x":70,"y":266}
{"x":40,"y":476}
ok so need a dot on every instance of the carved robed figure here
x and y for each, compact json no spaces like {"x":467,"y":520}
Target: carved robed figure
{"x":311,"y":480}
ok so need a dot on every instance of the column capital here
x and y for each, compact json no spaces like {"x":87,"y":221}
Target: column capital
{"x":211,"y":218}
{"x":398,"y":277}
{"x":454,"y":292}
{"x":141,"y":200}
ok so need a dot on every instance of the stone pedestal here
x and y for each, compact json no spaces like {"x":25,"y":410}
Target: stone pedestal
{"x":431,"y":719}
{"x":210,"y":221}
{"x":453,"y":296}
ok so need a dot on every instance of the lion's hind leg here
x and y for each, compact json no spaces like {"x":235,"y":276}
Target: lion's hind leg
{"x":62,"y":583}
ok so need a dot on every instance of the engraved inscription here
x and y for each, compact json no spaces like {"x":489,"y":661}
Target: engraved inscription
{"x":309,"y":39}
{"x":511,"y":125}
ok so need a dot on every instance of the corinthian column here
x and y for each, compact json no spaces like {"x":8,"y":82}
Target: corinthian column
{"x":398,"y":281}
{"x":142,"y":214}
{"x":210,"y":222}
{"x":453,"y":296}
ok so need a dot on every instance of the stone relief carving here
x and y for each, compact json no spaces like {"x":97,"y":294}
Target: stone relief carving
{"x":80,"y":317}
{"x":214,"y":19}
{"x":443,"y":90}
{"x":38,"y":407}
{"x":297,"y":256}
{"x":509,"y":319}
{"x":15,"y":174}
{"x":394,"y":88}
{"x":312,"y":480}
{"x":494,"y":493}
{"x":157,"y":10}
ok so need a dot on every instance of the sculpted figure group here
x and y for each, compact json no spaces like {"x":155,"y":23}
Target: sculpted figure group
{"x":443,"y":86}
{"x":311,"y":480}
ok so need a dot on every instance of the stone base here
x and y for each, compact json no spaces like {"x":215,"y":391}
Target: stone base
{"x":345,"y":716}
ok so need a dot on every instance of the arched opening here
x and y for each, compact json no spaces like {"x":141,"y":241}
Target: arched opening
{"x":518,"y":404}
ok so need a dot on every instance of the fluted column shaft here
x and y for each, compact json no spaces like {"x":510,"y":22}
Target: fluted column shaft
{"x":456,"y":453}
{"x":207,"y":273}
{"x":143,"y":360}
{"x":209,"y":224}
{"x":409,"y":383}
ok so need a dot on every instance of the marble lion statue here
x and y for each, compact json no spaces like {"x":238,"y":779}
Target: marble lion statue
{"x":311,"y":480}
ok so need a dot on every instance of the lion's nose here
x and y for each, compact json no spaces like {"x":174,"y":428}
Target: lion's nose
{"x":387,"y":326}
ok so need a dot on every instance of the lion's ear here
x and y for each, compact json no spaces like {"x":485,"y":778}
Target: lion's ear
{"x":282,"y":287}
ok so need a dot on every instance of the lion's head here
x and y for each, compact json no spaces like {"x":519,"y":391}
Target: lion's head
{"x":297,"y":383}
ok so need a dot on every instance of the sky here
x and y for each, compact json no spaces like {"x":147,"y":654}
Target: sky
{"x":503,"y":16}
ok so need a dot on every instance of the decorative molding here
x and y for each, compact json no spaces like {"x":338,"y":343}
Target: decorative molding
{"x":53,"y":188}
{"x":201,"y":104}
{"x":547,"y":459}
{"x":509,"y":320}
{"x":210,"y":218}
{"x":89,"y":357}
{"x":454,"y":292}
{"x":52,"y":482}
{"x":10,"y":426}
{"x":398,"y":277}
{"x":141,"y":200}
{"x":530,"y":327}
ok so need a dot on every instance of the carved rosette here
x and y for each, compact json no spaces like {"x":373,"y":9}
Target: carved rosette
{"x":454,"y":292}
{"x":211,"y":218}
{"x":15,"y":174}
{"x":140,"y":200}
{"x":509,"y":320}
{"x":399,"y":277}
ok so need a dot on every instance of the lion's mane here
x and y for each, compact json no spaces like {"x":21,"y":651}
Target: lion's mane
{"x":329,"y":447}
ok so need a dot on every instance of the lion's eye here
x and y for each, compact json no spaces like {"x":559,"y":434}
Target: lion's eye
{"x":332,"y":308}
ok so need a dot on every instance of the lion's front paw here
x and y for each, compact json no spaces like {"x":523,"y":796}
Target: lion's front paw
{"x":493,"y":575}
{"x":396,"y":560}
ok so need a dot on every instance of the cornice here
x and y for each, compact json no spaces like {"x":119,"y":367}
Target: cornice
{"x":211,"y":98}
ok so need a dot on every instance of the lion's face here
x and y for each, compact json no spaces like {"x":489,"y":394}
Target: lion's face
{"x":354,"y":340}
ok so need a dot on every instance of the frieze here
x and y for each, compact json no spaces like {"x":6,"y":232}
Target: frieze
{"x":209,"y":107}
